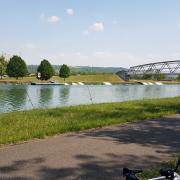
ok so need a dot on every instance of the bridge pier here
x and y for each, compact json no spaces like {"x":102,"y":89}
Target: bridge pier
{"x":123,"y":75}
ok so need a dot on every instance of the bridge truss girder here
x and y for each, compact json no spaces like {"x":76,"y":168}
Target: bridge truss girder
{"x":167,"y":67}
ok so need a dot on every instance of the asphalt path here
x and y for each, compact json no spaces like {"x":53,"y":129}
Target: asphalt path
{"x":93,"y":154}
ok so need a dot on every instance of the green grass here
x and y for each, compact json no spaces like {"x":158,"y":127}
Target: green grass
{"x":38,"y":123}
{"x":95,"y":79}
{"x":98,"y":78}
{"x":154,"y":172}
{"x":89,"y":79}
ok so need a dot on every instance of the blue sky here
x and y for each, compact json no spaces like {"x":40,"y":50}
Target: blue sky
{"x":118,"y":33}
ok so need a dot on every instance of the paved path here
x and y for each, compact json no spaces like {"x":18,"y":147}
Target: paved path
{"x":95,"y":154}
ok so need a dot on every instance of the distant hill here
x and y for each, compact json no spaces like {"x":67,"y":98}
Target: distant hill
{"x":81,"y":69}
{"x":88,"y":69}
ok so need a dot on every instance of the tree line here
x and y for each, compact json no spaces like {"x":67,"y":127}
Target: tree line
{"x":156,"y":77}
{"x":16,"y":67}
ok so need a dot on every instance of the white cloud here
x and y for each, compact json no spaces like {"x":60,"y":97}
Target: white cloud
{"x":97,"y":27}
{"x":53,"y":19}
{"x":70,"y":12}
{"x":178,"y":25}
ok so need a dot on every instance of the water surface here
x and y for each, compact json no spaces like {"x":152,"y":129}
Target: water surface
{"x":23,"y":97}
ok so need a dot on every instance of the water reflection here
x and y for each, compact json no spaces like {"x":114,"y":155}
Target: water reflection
{"x":13,"y":97}
{"x":16,"y":97}
{"x":45,"y":95}
{"x":64,"y":95}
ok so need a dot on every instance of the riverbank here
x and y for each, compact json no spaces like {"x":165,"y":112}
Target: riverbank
{"x":39,"y":123}
{"x":87,"y":79}
{"x":96,"y":79}
{"x":153,"y":81}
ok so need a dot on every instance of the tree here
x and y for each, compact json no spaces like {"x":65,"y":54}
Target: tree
{"x":45,"y":70}
{"x":3,"y":66}
{"x":159,"y":77}
{"x":64,"y":71}
{"x":16,"y":67}
{"x":147,"y":76}
{"x":178,"y":77}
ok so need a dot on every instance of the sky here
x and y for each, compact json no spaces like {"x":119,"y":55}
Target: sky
{"x":108,"y":33}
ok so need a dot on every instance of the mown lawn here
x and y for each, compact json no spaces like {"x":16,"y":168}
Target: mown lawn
{"x":38,"y":123}
{"x":98,"y":78}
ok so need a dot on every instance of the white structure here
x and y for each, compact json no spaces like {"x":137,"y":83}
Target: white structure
{"x":80,"y":83}
{"x":74,"y":84}
{"x":144,"y":83}
{"x":158,"y":83}
{"x":107,"y":83}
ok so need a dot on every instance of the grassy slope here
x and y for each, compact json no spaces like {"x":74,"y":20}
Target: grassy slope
{"x":95,"y":78}
{"x":19,"y":126}
{"x":99,"y":78}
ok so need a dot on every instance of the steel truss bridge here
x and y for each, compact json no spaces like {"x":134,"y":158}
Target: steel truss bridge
{"x":166,"y":67}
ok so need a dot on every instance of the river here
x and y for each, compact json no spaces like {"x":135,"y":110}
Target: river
{"x":24,"y":97}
